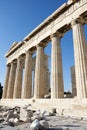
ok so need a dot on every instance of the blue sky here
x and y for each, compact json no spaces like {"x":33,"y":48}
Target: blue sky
{"x":20,"y":17}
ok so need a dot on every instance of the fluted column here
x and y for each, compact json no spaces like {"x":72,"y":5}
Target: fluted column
{"x":28,"y":76}
{"x":57,"y":90}
{"x":11,"y":81}
{"x":18,"y":79}
{"x":73,"y":80}
{"x":6,"y":82}
{"x":80,"y":58}
{"x":86,"y":55}
{"x":39,"y":89}
{"x":46,"y":75}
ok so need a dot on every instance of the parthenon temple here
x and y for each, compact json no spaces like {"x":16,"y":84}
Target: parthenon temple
{"x":37,"y":80}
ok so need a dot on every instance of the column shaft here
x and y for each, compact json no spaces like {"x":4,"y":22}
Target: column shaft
{"x":39,"y":89}
{"x":28,"y":76}
{"x":11,"y":81}
{"x":57,"y":90}
{"x":46,"y":75}
{"x":73,"y":80}
{"x":6,"y":82}
{"x":18,"y":80}
{"x":80,"y":58}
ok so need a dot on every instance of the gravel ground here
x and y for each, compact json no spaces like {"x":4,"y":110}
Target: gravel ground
{"x":55,"y":123}
{"x":61,"y":123}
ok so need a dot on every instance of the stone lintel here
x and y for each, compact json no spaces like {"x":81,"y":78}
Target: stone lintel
{"x":71,"y":1}
{"x":19,"y":44}
{"x":50,"y":18}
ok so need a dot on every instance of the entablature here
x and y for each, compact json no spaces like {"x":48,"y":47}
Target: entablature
{"x":58,"y":21}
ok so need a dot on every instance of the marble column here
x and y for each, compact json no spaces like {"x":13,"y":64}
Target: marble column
{"x":11,"y":81}
{"x":57,"y":89}
{"x":47,"y":75}
{"x":39,"y":88}
{"x":28,"y":76}
{"x":80,"y":58}
{"x":18,"y":79}
{"x":86,"y":54}
{"x":6,"y":82}
{"x":73,"y":80}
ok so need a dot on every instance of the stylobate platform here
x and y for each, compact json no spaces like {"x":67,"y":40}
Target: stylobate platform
{"x":76,"y":107}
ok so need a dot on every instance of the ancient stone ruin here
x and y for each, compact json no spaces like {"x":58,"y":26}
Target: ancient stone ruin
{"x":71,"y":15}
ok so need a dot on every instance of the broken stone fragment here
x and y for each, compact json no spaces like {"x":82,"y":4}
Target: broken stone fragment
{"x":29,"y":114}
{"x":11,"y":115}
{"x":17,"y":109}
{"x":5,"y":114}
{"x":25,"y":114}
{"x":37,"y":112}
{"x":36,"y":117}
{"x":15,"y":120}
{"x":49,"y":114}
{"x":1,"y":120}
{"x":53,"y":110}
{"x":43,"y":113}
{"x":11,"y":122}
{"x":44,"y":125}
{"x":35,"y":125}
{"x":26,"y":106}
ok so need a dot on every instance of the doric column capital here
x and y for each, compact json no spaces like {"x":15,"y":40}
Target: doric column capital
{"x":19,"y":58}
{"x":56,"y":34}
{"x":77,"y":21}
{"x":28,"y":52}
{"x":8,"y":65}
{"x":13,"y":62}
{"x":20,"y":61}
{"x":39,"y":45}
{"x":42,"y":44}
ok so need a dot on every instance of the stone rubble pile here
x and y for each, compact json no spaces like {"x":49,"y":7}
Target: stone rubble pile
{"x":19,"y":115}
{"x":25,"y":118}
